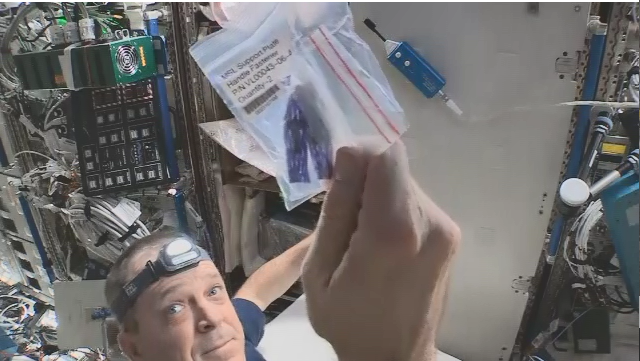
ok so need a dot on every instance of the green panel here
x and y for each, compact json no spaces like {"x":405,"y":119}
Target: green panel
{"x":145,"y":64}
{"x":78,"y":67}
{"x":40,"y":70}
{"x":32,"y":77}
{"x":106,"y":66}
{"x":58,"y":77}
{"x":96,"y":76}
{"x":44,"y":73}
{"x":92,"y":65}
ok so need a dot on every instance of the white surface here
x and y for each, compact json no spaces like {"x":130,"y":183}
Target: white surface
{"x":290,"y":337}
{"x":574,"y":192}
{"x":490,"y":172}
{"x":232,"y":218}
{"x":74,"y":302}
{"x":251,"y":213}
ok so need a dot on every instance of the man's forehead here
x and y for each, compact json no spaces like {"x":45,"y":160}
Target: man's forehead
{"x":139,"y":261}
{"x":205,"y":271}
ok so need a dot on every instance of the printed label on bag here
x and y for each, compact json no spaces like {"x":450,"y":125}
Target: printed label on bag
{"x":254,"y":82}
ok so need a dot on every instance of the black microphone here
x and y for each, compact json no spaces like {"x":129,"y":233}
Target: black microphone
{"x":601,"y":128}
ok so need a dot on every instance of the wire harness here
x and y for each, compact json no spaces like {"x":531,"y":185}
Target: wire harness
{"x":105,"y":225}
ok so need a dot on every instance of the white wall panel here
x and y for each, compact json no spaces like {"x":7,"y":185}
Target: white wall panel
{"x":75,"y":302}
{"x":491,"y":169}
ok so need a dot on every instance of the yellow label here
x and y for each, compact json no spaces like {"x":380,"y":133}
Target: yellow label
{"x":613,"y":148}
{"x":143,"y":59}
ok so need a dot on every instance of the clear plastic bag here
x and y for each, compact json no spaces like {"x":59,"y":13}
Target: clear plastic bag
{"x":303,"y":84}
{"x":234,"y":138}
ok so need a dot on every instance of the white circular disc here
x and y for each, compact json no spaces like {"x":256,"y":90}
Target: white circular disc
{"x":574,"y":192}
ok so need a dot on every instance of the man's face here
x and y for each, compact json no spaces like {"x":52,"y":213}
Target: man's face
{"x":187,"y":317}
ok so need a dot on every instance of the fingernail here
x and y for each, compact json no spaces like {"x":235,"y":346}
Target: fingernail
{"x":349,"y":163}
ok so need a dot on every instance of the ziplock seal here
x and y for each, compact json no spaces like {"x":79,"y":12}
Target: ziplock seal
{"x":345,"y":74}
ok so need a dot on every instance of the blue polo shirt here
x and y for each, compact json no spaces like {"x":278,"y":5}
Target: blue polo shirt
{"x":253,"y":322}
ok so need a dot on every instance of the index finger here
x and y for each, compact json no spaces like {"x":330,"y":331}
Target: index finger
{"x":338,"y":220}
{"x":390,"y":206}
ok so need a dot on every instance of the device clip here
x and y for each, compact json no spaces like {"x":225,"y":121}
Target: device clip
{"x":103,"y":239}
{"x":133,"y":229}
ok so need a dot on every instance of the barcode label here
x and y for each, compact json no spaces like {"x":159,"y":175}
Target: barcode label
{"x":256,"y":103}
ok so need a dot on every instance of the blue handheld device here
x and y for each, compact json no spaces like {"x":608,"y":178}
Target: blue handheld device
{"x":404,"y":57}
{"x":620,"y":204}
{"x":415,"y":68}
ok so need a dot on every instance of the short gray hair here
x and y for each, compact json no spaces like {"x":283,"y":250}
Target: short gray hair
{"x":128,"y":265}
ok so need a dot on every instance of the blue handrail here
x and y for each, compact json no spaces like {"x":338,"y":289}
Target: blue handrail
{"x":170,"y":149}
{"x":581,"y":134}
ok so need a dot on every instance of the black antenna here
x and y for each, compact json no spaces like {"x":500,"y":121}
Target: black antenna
{"x":372,"y":26}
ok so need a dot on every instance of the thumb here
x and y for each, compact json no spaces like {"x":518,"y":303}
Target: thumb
{"x":338,"y":220}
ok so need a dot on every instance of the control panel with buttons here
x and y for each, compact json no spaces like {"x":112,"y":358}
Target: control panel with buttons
{"x":120,"y":137}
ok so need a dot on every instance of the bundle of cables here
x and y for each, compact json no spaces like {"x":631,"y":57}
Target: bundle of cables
{"x":618,"y":300}
{"x":82,"y":354}
{"x":105,"y":225}
{"x":29,"y":32}
{"x":48,"y":186}
{"x":16,"y":310}
{"x":590,"y":277}
{"x":580,"y":266}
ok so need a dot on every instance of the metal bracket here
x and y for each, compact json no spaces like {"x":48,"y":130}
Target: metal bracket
{"x":550,"y":259}
{"x":521,"y":284}
{"x":567,"y":65}
{"x":596,"y":27}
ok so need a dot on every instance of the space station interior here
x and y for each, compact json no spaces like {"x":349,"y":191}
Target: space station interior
{"x":120,"y":119}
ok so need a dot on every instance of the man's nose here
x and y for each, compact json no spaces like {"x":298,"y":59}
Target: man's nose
{"x":208,"y":315}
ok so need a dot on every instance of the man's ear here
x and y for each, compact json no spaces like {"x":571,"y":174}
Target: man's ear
{"x":127,"y":341}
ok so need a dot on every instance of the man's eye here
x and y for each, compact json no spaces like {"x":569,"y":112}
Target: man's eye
{"x":174,"y":309}
{"x":215,"y":291}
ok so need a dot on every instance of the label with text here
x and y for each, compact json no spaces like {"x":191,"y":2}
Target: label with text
{"x":254,"y":82}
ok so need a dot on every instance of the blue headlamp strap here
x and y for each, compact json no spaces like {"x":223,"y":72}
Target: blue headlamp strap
{"x":175,"y":257}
